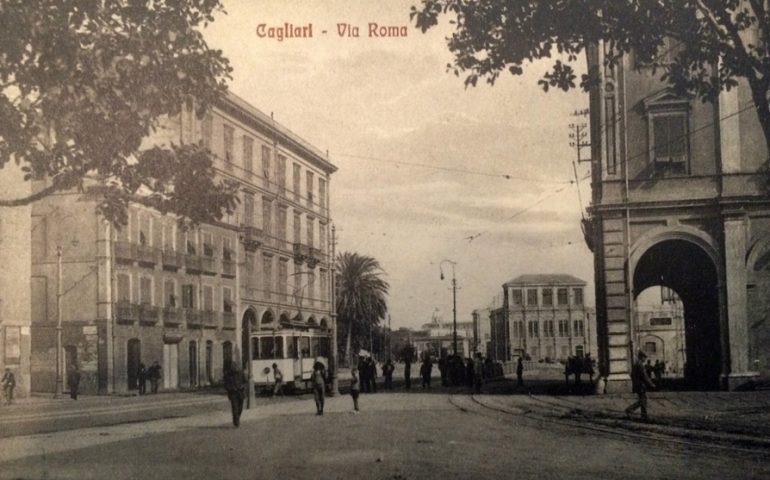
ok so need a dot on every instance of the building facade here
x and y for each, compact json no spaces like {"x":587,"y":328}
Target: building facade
{"x":482,"y":331}
{"x":543,"y":318}
{"x":152,"y":291}
{"x":679,"y":200}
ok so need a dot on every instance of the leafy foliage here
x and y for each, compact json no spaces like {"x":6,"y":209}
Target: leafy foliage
{"x":83,"y":82}
{"x":361,"y":297}
{"x":716,"y":42}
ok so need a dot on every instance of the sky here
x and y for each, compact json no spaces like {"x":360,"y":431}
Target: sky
{"x":421,"y":158}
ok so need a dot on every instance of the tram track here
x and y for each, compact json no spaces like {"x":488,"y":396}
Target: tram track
{"x":534,"y":413}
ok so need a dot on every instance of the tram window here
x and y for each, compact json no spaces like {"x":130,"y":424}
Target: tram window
{"x":305,"y":342}
{"x":323,"y":346}
{"x":279,"y":347}
{"x":266,"y":348}
{"x":255,"y":348}
{"x":316,"y":346}
{"x":291,"y":347}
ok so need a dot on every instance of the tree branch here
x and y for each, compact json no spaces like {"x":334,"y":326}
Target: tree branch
{"x":23,"y":201}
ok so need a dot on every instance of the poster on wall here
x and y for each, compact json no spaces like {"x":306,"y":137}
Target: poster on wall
{"x":12,"y":345}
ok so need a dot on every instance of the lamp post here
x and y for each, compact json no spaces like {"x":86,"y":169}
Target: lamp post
{"x":59,"y":380}
{"x":454,"y":301}
{"x":333,"y":308}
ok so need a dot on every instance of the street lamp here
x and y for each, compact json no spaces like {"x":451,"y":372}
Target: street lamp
{"x":454,"y":301}
{"x":59,"y":389}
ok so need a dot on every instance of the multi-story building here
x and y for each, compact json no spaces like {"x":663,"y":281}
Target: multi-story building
{"x":543,"y":317}
{"x":679,"y":200}
{"x":152,"y":291}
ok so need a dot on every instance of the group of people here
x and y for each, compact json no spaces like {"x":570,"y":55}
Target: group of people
{"x":578,"y":365}
{"x":152,"y":374}
{"x":456,"y":371}
{"x":657,"y":370}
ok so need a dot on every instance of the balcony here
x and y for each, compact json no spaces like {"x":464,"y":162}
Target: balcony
{"x":148,"y":314}
{"x":208,"y":265}
{"x":228,"y":321}
{"x":125,"y":252}
{"x":251,"y":237}
{"x":171,"y":260}
{"x":228,"y":268}
{"x":209,"y":319}
{"x":314,"y":258}
{"x":301,"y":253}
{"x":126,"y":312}
{"x":192,"y":263}
{"x":146,"y":255}
{"x":193,"y":317}
{"x":172,"y":316}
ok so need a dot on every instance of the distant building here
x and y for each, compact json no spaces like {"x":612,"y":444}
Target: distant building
{"x":436,"y":337}
{"x":482,"y":332}
{"x":659,"y":332}
{"x":543,"y":317}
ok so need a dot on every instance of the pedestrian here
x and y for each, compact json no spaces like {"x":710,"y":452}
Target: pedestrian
{"x":373,"y":374}
{"x":9,"y":383}
{"x":468,"y":372}
{"x":73,"y":380}
{"x":318,"y":381}
{"x":425,"y":370}
{"x":141,"y":377}
{"x":355,"y":387}
{"x":640,"y":381}
{"x":442,"y":370}
{"x":588,"y":367}
{"x":520,"y":372}
{"x":657,"y":370}
{"x":234,"y":384}
{"x":278,"y":377}
{"x":478,"y":369}
{"x":387,"y":372}
{"x":408,"y":373}
{"x":649,"y":368}
{"x":154,"y":373}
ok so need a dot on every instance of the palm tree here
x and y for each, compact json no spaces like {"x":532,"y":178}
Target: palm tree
{"x":361,"y":293}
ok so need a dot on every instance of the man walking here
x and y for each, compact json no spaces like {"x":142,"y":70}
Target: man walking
{"x":9,"y":383}
{"x":73,"y":381}
{"x":408,"y":373}
{"x":278,"y":376}
{"x":154,"y":374}
{"x":640,"y":382}
{"x":319,"y":386}
{"x":520,"y":372}
{"x":233,"y":381}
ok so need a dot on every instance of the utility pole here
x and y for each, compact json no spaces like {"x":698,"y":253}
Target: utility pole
{"x":454,"y":302}
{"x":59,"y":374}
{"x":333,"y":304}
{"x":579,"y":134}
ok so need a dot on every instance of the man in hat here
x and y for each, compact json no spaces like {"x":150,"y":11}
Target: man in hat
{"x":640,"y":382}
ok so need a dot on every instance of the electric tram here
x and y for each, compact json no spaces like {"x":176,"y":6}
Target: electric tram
{"x":293,"y":350}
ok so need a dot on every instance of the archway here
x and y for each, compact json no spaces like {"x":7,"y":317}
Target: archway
{"x":691,"y":273}
{"x":248,"y":324}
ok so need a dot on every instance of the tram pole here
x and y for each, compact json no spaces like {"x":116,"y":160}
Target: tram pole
{"x":333,"y":307}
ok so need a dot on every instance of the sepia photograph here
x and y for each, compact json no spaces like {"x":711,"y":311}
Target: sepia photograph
{"x":398,"y":240}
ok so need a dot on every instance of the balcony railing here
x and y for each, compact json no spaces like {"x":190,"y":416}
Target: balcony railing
{"x":192,"y":263}
{"x":251,"y":237}
{"x":171,"y":259}
{"x":301,"y":253}
{"x":125,"y":251}
{"x":314,"y":257}
{"x":172,"y":316}
{"x":126,"y":312}
{"x":148,"y":314}
{"x":146,"y":255}
{"x":228,"y":268}
{"x":193,"y":317}
{"x":228,"y":320}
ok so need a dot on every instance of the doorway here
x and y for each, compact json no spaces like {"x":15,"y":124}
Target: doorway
{"x":170,"y":366}
{"x":133,"y":358}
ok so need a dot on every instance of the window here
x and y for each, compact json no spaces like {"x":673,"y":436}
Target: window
{"x":534,"y":331}
{"x":322,"y":274}
{"x":516,"y":297}
{"x":562,"y":296}
{"x":310,"y":232}
{"x":229,"y":133}
{"x":227,"y":302}
{"x":188,"y":296}
{"x":170,"y":291}
{"x":548,"y":328}
{"x":305,"y":346}
{"x":578,"y":328}
{"x":208,"y":298}
{"x":207,"y":128}
{"x":310,"y":189}
{"x":548,"y":297}
{"x":564,"y":328}
{"x":191,"y":248}
{"x":248,"y":154}
{"x":283,"y":277}
{"x":281,"y":222}
{"x":145,"y":230}
{"x":266,"y":348}
{"x":145,"y":291}
{"x":266,"y":164}
{"x":578,"y":296}
{"x":267,"y":273}
{"x":208,"y":244}
{"x":267,"y":216}
{"x":518,"y":329}
{"x":669,"y":142}
{"x":168,"y":237}
{"x":297,"y":227}
{"x":296,"y":180}
{"x":649,"y":347}
{"x":322,"y":237}
{"x":248,"y":209}
{"x":124,"y":287}
{"x":227,"y":248}
{"x":322,"y":192}
{"x":280,"y":167}
{"x":291,"y":347}
{"x":532,"y":296}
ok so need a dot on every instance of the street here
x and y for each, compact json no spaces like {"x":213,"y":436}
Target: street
{"x":396,"y":436}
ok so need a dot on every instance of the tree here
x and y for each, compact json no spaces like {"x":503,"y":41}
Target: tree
{"x":717,"y":42}
{"x":361,"y":293}
{"x":84,"y":82}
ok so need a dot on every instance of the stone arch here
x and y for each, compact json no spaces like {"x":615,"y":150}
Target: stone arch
{"x":324,"y":323}
{"x":267,"y":319}
{"x":759,"y":255}
{"x":312,"y":321}
{"x":248,"y":324}
{"x":284,"y":319}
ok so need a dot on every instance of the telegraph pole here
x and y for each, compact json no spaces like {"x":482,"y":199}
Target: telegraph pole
{"x":59,"y":374}
{"x":333,"y":301}
{"x":579,"y":134}
{"x":454,"y":302}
